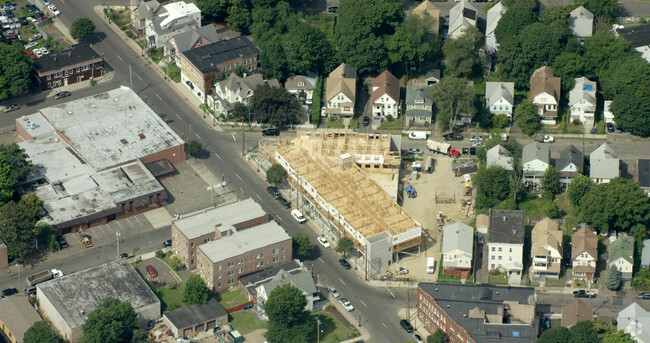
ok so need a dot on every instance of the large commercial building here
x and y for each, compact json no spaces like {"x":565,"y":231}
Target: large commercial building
{"x":67,"y":301}
{"x":90,"y":158}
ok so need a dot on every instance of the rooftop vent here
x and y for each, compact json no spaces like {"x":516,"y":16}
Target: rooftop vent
{"x":70,"y":112}
{"x":93,"y":105}
{"x":130,"y":146}
{"x":504,"y":218}
{"x":124,"y":141}
{"x":141,"y":135}
{"x":110,"y":127}
{"x":94,"y":132}
{"x":127,"y":122}
{"x":116,"y":99}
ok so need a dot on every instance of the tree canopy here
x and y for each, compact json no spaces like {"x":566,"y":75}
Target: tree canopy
{"x":529,"y":4}
{"x":551,"y":181}
{"x":15,"y":70}
{"x":288,"y":320}
{"x":453,"y":97}
{"x":112,"y":321}
{"x":345,"y":245}
{"x":301,"y":245}
{"x":413,"y":40}
{"x":492,"y":185}
{"x":81,"y":27}
{"x":17,"y":227}
{"x":601,"y":8}
{"x":438,"y":336}
{"x":578,"y":188}
{"x":196,"y":292}
{"x":526,"y":117}
{"x":40,"y":332}
{"x":461,"y":54}
{"x":15,"y":166}
{"x":555,"y":335}
{"x":215,"y":8}
{"x":307,"y":48}
{"x":275,"y":106}
{"x":275,"y":174}
{"x":513,"y":21}
{"x":613,"y":278}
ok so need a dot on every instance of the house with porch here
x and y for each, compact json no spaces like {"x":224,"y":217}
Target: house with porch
{"x":506,"y":243}
{"x":302,"y":86}
{"x":546,"y":250}
{"x":536,"y":157}
{"x":461,"y":17}
{"x":569,"y":165}
{"x":457,"y":250}
{"x":621,"y":256}
{"x":584,"y":254}
{"x":604,"y":164}
{"x":582,"y":100}
{"x":340,"y":91}
{"x":419,"y":104}
{"x":236,"y":89}
{"x":384,"y":97}
{"x":545,"y":91}
{"x":169,"y":20}
{"x":500,"y":97}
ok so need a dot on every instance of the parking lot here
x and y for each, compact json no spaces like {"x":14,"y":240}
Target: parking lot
{"x":166,"y":276}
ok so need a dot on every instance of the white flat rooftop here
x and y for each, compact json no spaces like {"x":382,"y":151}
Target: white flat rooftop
{"x":244,"y":241}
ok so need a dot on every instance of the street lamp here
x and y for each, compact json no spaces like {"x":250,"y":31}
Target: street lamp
{"x":317,"y":330}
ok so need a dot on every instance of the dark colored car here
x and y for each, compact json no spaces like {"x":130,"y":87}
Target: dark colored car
{"x":644,"y":295}
{"x":9,"y":291}
{"x":345,"y":263}
{"x":31,"y":290}
{"x":610,"y":127}
{"x":406,"y":325}
{"x":62,"y":242}
{"x":453,"y":137}
{"x":583,"y":294}
{"x":274,"y":192}
{"x":271,"y":132}
{"x":167,"y":243}
{"x":366,"y":121}
{"x":284,"y":202}
{"x":61,"y":95}
{"x":152,"y":271}
{"x":189,"y":84}
{"x":332,"y":9}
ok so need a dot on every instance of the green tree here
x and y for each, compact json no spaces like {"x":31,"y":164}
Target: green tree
{"x":196,"y":292}
{"x":240,"y":70}
{"x":584,"y":332}
{"x":492,"y":186}
{"x":301,"y":245}
{"x":15,"y":166}
{"x":461,"y":54}
{"x":81,"y":27}
{"x":194,"y":148}
{"x":530,"y":4}
{"x":15,"y":70}
{"x":556,"y":13}
{"x":618,"y":337}
{"x":500,"y":121}
{"x":578,"y":188}
{"x":288,"y":320}
{"x":345,"y":246}
{"x":40,"y":332}
{"x":278,"y":17}
{"x":17,"y":227}
{"x":215,"y":8}
{"x":273,"y":59}
{"x":139,"y":336}
{"x":513,"y":21}
{"x":604,"y":50}
{"x":111,"y":321}
{"x":453,"y":97}
{"x":551,"y":181}
{"x":307,"y":48}
{"x":413,"y":40}
{"x":601,"y":8}
{"x":641,"y":280}
{"x":275,"y":174}
{"x":613,"y":278}
{"x":363,"y":26}
{"x":526,"y":117}
{"x":632,"y":112}
{"x":556,"y":335}
{"x":239,"y":15}
{"x":175,"y":263}
{"x":438,"y":336}
{"x":569,"y":66}
{"x":275,"y":106}
{"x":239,"y":112}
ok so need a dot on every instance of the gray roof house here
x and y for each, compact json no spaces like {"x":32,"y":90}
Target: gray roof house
{"x":301,"y":279}
{"x":582,"y":23}
{"x":236,"y":89}
{"x":16,"y":317}
{"x":302,"y":86}
{"x":506,"y":243}
{"x":499,"y":156}
{"x":536,"y":157}
{"x":634,"y":320}
{"x":645,"y":254}
{"x":500,"y":97}
{"x":604,"y":164}
{"x":457,"y":247}
{"x":582,"y":100}
{"x":142,"y":11}
{"x":419,"y":102}
{"x":639,"y":38}
{"x":461,"y":17}
{"x":192,"y":38}
{"x":432,"y":77}
{"x":569,"y":165}
{"x":171,"y":19}
{"x":494,"y":14}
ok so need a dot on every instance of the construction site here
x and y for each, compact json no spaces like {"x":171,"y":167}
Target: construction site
{"x":354,"y":183}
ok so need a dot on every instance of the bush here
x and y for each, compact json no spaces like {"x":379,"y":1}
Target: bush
{"x":194,"y":148}
{"x":160,"y":254}
{"x":81,"y":27}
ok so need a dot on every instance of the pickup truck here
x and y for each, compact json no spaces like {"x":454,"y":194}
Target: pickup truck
{"x":544,"y":139}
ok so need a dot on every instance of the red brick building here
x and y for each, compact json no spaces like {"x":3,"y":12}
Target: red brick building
{"x":61,"y":68}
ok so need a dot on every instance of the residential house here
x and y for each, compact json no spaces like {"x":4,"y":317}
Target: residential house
{"x":189,"y":39}
{"x":236,"y":89}
{"x":494,"y":14}
{"x":581,"y":22}
{"x":645,"y":254}
{"x":621,"y":256}
{"x":66,"y":67}
{"x":301,"y":279}
{"x":482,"y":223}
{"x":479,"y":313}
{"x":340,"y":90}
{"x":536,"y":157}
{"x":248,"y":283}
{"x":546,"y":250}
{"x":302,"y":86}
{"x":169,"y":20}
{"x":192,"y":319}
{"x":461,"y":17}
{"x":419,"y":104}
{"x":545,"y":91}
{"x":428,"y":8}
{"x":16,"y":317}
{"x":575,"y":312}
{"x":216,"y":60}
{"x":604,"y":164}
{"x":582,"y":100}
{"x":643,"y":174}
{"x":506,"y":242}
{"x":141,"y":13}
{"x":569,"y":165}
{"x":432,"y":77}
{"x":607,"y":114}
{"x":639,"y":38}
{"x":457,"y":250}
{"x":384,"y":97}
{"x":500,"y":97}
{"x":584,"y":254}
{"x":499,"y":156}
{"x":635,"y":321}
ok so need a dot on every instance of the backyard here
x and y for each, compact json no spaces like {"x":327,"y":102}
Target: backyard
{"x":245,"y":322}
{"x":334,"y":328}
{"x":232,"y":299}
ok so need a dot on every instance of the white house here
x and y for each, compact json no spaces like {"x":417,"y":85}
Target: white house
{"x":536,"y":158}
{"x":170,"y":20}
{"x":569,"y":165}
{"x":384,"y":97}
{"x":302,"y":86}
{"x":506,"y":243}
{"x":457,"y":249}
{"x":340,"y":90}
{"x":461,"y":17}
{"x":500,"y":97}
{"x":545,"y":91}
{"x":546,"y":250}
{"x":581,"y":22}
{"x":634,"y":320}
{"x":604,"y":164}
{"x":301,"y":279}
{"x":494,"y":14}
{"x":499,"y":156}
{"x":582,"y":100}
{"x":584,"y":254}
{"x":236,"y":89}
{"x":621,"y":256}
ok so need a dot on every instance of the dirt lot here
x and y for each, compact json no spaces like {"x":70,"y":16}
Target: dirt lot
{"x":423,"y":208}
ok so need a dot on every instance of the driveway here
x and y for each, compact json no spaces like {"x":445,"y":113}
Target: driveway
{"x":166,"y":275}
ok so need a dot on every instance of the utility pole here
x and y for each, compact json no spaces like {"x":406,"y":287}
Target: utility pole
{"x":117,"y":234}
{"x":318,"y":330}
{"x":130,"y":77}
{"x":408,"y":305}
{"x":243,"y":146}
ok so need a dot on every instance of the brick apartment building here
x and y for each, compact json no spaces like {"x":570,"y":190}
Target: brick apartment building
{"x":190,"y":232}
{"x":479,"y":313}
{"x":61,"y":68}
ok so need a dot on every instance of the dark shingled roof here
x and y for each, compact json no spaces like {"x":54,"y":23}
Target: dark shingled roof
{"x":569,"y":155}
{"x":195,"y":314}
{"x":506,"y":226}
{"x":644,"y":173}
{"x":637,"y":35}
{"x":209,"y":56}
{"x":458,"y":300}
{"x":59,"y":60}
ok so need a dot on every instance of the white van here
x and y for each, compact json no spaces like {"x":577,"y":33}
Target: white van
{"x":431,"y":265}
{"x":298,"y":216}
{"x":418,"y":135}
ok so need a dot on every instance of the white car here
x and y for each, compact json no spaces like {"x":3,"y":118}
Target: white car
{"x":476,"y":139}
{"x":333,"y":291}
{"x":323,"y":242}
{"x":32,"y":20}
{"x":54,"y":10}
{"x":30,"y":45}
{"x":346,"y":304}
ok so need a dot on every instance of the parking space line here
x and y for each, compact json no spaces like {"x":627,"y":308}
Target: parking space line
{"x":217,"y":155}
{"x":320,"y":259}
{"x":280,"y":219}
{"x":239,"y":177}
{"x":258,"y":197}
{"x":118,"y":56}
{"x":120,"y":224}
{"x":364,"y":304}
{"x":138,"y":77}
{"x":384,"y":325}
{"x":158,"y":96}
{"x":342,"y":282}
{"x":391,"y":293}
{"x":179,"y":117}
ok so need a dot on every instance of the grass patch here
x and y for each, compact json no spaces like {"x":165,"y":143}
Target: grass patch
{"x":245,"y":322}
{"x":170,"y":298}
{"x":394,"y":125}
{"x":333,"y":330}
{"x":232,"y":299}
{"x":136,"y":263}
{"x":555,"y":283}
{"x":497,"y":278}
{"x":325,"y":23}
{"x":156,"y":55}
{"x":335,"y":124}
{"x":354,"y":123}
{"x":174,"y":72}
{"x":533,"y":205}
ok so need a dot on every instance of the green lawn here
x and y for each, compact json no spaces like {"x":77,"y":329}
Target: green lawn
{"x":497,"y":279}
{"x":245,"y":322}
{"x":354,"y":123}
{"x":232,"y":299}
{"x":392,"y":125}
{"x":335,"y":124}
{"x":170,"y":298}
{"x":333,"y":330}
{"x":156,"y":55}
{"x":174,"y":73}
{"x":555,"y":283}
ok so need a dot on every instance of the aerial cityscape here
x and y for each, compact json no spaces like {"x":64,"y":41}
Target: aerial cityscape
{"x":271,"y":171}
